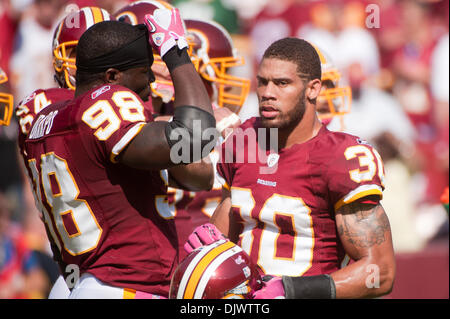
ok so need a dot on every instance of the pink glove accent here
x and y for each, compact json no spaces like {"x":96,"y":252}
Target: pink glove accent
{"x":146,"y":295}
{"x":273,"y":289}
{"x":203,"y":235}
{"x":166,"y":30}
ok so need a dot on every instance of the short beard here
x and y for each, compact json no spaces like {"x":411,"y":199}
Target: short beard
{"x":289,"y":120}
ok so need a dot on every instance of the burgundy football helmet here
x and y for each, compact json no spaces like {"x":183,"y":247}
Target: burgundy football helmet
{"x":65,"y":40}
{"x":221,"y":270}
{"x":215,"y":56}
{"x":134,"y":13}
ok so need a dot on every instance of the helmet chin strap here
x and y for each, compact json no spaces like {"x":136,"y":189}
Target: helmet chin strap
{"x":61,"y":83}
{"x":72,"y":80}
{"x":204,"y":57}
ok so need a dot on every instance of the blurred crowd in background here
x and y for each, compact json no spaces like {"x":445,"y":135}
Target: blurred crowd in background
{"x":393,"y":53}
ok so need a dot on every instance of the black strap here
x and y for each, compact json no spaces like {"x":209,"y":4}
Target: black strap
{"x":309,"y":287}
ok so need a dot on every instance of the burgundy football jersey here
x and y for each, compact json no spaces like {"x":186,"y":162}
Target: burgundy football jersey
{"x":35,"y":102}
{"x":101,"y":215}
{"x":288,"y":212}
{"x":173,"y":206}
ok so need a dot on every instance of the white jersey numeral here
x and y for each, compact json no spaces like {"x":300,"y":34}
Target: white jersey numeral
{"x":286,"y":222}
{"x":75,"y":222}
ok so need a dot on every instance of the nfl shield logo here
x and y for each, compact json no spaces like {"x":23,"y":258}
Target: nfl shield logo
{"x":158,"y":38}
{"x":272,"y":159}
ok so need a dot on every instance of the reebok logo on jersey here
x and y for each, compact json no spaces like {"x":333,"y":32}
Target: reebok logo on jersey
{"x":266,"y":183}
{"x":363,"y":142}
{"x":100,"y":91}
{"x":272,"y":159}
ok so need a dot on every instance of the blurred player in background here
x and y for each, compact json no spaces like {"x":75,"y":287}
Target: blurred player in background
{"x":334,"y":100}
{"x":321,"y":202}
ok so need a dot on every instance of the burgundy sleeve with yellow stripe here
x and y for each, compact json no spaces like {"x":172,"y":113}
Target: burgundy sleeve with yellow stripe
{"x":356,"y":173}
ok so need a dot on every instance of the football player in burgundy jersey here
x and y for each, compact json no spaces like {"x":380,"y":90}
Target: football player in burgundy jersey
{"x":310,"y":199}
{"x":65,"y":40}
{"x":172,"y":205}
{"x":95,"y":160}
{"x":213,"y":54}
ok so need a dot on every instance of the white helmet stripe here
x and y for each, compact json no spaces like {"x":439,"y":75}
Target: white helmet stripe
{"x":160,"y":5}
{"x":88,"y":16}
{"x":209,"y":271}
{"x":192,"y":265}
{"x":105,"y":14}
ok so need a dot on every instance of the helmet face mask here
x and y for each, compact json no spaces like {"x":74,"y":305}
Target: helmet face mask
{"x":215,"y":58}
{"x":230,"y":91}
{"x":221,"y":270}
{"x":65,"y":41}
{"x":64,"y":63}
{"x":6,"y":102}
{"x":333,"y":100}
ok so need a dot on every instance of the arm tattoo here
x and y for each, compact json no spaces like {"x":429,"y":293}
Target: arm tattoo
{"x":364,"y":225}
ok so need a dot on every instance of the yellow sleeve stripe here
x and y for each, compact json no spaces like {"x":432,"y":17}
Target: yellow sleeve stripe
{"x":226,"y":186}
{"x":359,"y":192}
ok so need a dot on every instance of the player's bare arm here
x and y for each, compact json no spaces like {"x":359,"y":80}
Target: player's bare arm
{"x":224,"y":220}
{"x":150,"y":147}
{"x":365,"y":232}
{"x":193,"y":177}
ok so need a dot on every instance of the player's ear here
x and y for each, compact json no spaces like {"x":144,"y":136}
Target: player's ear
{"x":313,"y":89}
{"x":113,"y":76}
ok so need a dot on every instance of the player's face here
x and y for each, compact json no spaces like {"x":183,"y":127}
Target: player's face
{"x":137,"y":80}
{"x":281,"y":94}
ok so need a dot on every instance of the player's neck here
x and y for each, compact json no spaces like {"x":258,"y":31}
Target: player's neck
{"x":307,"y":129}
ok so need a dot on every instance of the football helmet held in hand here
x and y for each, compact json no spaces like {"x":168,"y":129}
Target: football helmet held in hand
{"x":221,"y":270}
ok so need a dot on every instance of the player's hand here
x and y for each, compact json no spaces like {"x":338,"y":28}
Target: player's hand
{"x":272,"y":289}
{"x":166,"y":30}
{"x":203,"y":235}
{"x":226,"y":121}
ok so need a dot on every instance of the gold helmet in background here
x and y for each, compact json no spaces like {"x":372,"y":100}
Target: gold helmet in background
{"x":334,"y":100}
{"x":6,"y":102}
